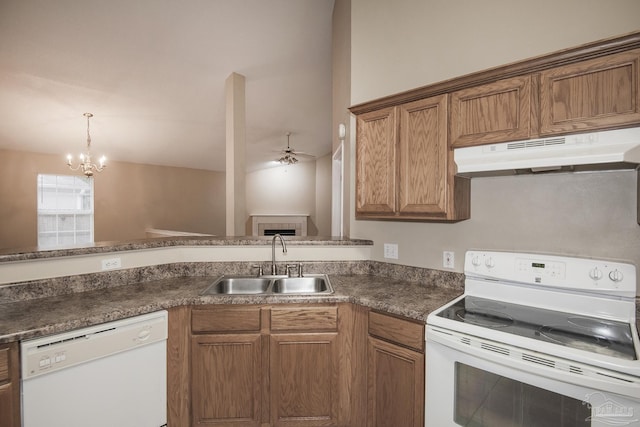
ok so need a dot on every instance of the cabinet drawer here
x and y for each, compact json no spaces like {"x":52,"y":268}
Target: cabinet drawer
{"x":304,"y":318}
{"x":225,"y":319}
{"x":394,"y":329}
{"x":4,"y":364}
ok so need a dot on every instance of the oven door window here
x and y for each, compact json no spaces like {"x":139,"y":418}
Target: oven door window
{"x":484,"y":399}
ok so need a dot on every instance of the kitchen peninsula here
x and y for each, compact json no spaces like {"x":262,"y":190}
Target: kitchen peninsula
{"x":172,"y":273}
{"x":41,"y":306}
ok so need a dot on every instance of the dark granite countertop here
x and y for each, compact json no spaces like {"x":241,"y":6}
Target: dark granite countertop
{"x":56,"y":314}
{"x":22,"y":254}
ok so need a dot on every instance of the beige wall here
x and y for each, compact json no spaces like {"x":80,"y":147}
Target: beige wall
{"x":341,"y":78}
{"x":403,"y":44}
{"x":323,"y":196}
{"x":128,"y":198}
{"x":300,"y":189}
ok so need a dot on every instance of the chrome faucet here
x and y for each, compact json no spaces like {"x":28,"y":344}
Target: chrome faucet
{"x":273,"y":252}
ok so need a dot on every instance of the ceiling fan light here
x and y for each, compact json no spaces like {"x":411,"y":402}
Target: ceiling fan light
{"x":288,"y":159}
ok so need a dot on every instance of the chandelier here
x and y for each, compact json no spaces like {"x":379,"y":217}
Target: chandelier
{"x":85,"y":165}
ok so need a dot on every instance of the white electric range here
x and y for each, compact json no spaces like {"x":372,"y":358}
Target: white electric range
{"x":535,"y":340}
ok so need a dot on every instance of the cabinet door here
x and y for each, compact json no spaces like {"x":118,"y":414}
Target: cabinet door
{"x":376,"y":163}
{"x":395,"y":386}
{"x":7,"y":416}
{"x":304,"y":379}
{"x":178,"y":367}
{"x":9,"y":386}
{"x":226,"y":380}
{"x":596,"y":94}
{"x":423,"y":171}
{"x":490,"y":113}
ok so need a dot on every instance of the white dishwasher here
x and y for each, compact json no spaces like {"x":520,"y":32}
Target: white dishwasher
{"x":112,"y":374}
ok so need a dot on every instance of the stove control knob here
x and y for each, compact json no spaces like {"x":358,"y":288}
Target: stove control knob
{"x":595,"y":274}
{"x":616,"y":275}
{"x":489,"y":262}
{"x":475,"y":261}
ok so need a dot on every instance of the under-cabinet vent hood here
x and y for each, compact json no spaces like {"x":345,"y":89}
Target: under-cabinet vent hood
{"x":613,"y":149}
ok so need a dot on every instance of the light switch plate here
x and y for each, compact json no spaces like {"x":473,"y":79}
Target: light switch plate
{"x":391,"y":250}
{"x":448,"y":259}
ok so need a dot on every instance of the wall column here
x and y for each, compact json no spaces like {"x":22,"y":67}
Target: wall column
{"x":235,"y":155}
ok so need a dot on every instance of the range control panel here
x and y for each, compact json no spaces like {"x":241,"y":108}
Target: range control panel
{"x":585,"y":274}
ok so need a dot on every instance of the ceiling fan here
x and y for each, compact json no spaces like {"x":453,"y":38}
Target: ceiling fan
{"x":289,"y":156}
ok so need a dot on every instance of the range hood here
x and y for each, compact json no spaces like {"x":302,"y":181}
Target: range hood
{"x":613,"y":149}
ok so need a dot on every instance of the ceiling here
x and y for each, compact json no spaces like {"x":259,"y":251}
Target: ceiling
{"x":153,"y":74}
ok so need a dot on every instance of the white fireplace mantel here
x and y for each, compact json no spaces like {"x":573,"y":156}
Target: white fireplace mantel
{"x":297,"y":222}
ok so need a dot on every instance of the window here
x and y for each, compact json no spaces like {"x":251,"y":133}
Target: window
{"x":65,"y":210}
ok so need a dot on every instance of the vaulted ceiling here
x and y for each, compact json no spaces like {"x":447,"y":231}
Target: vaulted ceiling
{"x":153,"y":74}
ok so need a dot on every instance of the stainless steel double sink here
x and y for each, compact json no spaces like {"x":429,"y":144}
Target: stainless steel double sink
{"x":270,"y":285}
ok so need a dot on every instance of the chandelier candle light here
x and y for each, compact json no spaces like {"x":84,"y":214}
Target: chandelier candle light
{"x":85,"y":164}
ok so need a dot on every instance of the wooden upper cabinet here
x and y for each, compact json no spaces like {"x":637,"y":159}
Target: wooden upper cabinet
{"x":491,"y":113}
{"x":423,"y":171}
{"x":594,"y":94}
{"x":404,"y":142}
{"x":404,"y":167}
{"x":376,"y":162}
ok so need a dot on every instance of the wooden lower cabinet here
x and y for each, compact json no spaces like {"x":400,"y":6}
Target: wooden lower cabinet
{"x":9,"y":385}
{"x":226,"y":379}
{"x":396,"y":372}
{"x":396,"y":385}
{"x":297,"y":365}
{"x":304,"y":379}
{"x":257,"y":366}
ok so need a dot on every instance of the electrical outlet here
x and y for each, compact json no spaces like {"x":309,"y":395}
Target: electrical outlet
{"x":448,"y":259}
{"x":111,"y":263}
{"x":391,"y":250}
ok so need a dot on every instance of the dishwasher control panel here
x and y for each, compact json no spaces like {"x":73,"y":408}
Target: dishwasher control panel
{"x":55,"y":352}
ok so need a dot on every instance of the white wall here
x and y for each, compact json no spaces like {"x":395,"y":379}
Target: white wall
{"x":404,"y":44}
{"x":323,"y":195}
{"x":302,"y":189}
{"x":341,"y":89}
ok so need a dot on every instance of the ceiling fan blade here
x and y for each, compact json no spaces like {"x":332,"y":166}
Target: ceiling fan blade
{"x":303,"y":154}
{"x":291,"y":154}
